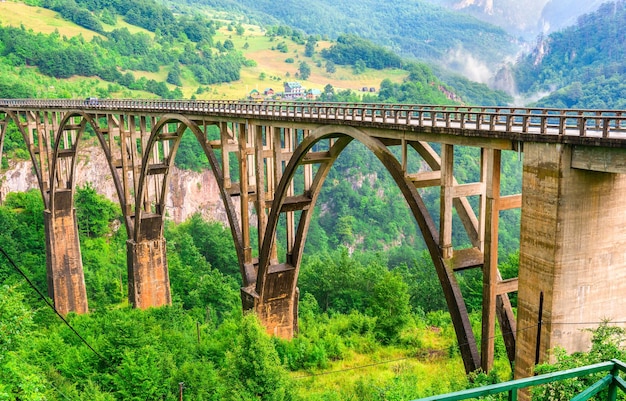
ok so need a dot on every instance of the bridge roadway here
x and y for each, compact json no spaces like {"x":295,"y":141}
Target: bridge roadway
{"x":605,"y":128}
{"x":572,"y":267}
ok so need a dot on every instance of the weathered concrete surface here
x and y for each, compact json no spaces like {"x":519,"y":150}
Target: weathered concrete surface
{"x":608,"y":160}
{"x":279,"y":316}
{"x":66,"y":281}
{"x":148,"y":278}
{"x":573,"y":236}
{"x":278,"y":309}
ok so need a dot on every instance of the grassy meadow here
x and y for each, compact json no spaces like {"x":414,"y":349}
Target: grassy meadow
{"x":272,"y":64}
{"x":270,"y":71}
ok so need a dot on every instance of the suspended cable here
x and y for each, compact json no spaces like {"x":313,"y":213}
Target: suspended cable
{"x":45,"y":299}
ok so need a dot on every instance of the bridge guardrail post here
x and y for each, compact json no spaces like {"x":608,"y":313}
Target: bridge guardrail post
{"x":582,"y":125}
{"x":493,"y":119}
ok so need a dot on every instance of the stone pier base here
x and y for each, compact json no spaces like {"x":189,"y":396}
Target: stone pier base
{"x":148,"y":278}
{"x":278,"y":308}
{"x":66,"y":279}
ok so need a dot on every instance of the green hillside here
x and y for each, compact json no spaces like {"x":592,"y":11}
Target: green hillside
{"x":380,"y":335}
{"x":64,"y":48}
{"x":583,"y":66}
{"x":413,"y":28}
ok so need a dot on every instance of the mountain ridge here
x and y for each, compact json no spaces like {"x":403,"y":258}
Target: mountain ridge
{"x":436,"y":37}
{"x":529,"y":18}
{"x":224,"y":59}
{"x":581,"y":66}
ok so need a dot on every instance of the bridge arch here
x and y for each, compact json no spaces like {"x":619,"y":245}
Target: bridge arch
{"x":157,"y":137}
{"x":66,"y":147}
{"x":41,"y":131}
{"x":266,"y":287}
{"x":134,"y":143}
{"x":64,"y":259}
{"x":147,"y":262}
{"x":24,"y":127}
{"x":65,"y":279}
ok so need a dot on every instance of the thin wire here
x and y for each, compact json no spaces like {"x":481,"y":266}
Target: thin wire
{"x":299,"y":377}
{"x":60,"y":392}
{"x":398,"y":359}
{"x":50,"y":305}
{"x":352,"y":368}
{"x":106,"y":361}
{"x":449,"y":347}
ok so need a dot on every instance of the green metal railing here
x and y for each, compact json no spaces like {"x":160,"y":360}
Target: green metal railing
{"x":611,"y":381}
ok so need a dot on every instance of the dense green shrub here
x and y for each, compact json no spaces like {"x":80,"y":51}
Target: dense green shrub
{"x":607,"y":343}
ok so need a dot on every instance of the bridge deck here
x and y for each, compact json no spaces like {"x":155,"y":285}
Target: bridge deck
{"x":604,"y":128}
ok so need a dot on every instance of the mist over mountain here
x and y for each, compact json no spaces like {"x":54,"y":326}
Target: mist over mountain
{"x":558,"y":14}
{"x":526,"y":18}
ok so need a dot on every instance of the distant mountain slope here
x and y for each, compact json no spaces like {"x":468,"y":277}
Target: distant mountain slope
{"x":558,"y":14}
{"x":584,"y":65}
{"x":188,"y":52}
{"x":527,"y":18}
{"x":410,"y":27}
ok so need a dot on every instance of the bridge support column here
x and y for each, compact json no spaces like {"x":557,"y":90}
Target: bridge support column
{"x":148,"y":278}
{"x":572,"y":260}
{"x":66,"y":280}
{"x":278,"y":309}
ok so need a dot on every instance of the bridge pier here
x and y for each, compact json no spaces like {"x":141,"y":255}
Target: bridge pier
{"x":572,"y":260}
{"x":66,"y":280}
{"x":278,"y":308}
{"x":148,"y":277}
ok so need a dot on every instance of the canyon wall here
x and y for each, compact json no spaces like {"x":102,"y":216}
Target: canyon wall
{"x":189,"y":192}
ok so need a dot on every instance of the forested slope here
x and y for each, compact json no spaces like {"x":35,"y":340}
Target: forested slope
{"x":144,"y":49}
{"x":117,"y":56}
{"x":380,"y":312}
{"x":412,"y":28}
{"x":585,"y":64}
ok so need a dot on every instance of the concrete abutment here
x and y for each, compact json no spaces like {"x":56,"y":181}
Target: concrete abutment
{"x":572,"y":254}
{"x":277,"y":309}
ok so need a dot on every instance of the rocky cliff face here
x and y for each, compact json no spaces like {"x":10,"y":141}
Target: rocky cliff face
{"x":189,"y":192}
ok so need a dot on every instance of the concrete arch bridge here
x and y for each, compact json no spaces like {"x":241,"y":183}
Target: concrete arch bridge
{"x":573,"y":222}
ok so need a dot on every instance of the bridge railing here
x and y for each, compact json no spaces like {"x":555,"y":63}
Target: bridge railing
{"x":544,"y":121}
{"x":611,"y":381}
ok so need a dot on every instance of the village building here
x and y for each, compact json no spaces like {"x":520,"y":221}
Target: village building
{"x":255,"y":95}
{"x":293,"y":90}
{"x":313,"y":94}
